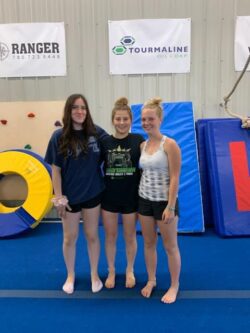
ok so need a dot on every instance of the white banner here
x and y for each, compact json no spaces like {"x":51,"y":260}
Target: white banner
{"x":149,"y":46}
{"x":32,"y":49}
{"x":242,"y":42}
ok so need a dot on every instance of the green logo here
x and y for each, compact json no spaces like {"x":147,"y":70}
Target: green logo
{"x":119,"y":50}
{"x":125,"y":41}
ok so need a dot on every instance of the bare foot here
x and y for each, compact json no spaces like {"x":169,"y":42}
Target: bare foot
{"x":110,"y":281}
{"x":170,"y":296}
{"x":96,"y":285}
{"x":147,"y":290}
{"x":68,"y":286}
{"x":130,"y":280}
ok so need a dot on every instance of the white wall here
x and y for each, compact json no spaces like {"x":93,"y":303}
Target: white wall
{"x":212,"y":70}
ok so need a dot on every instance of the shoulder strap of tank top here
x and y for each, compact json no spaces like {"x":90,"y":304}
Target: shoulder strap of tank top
{"x":162,"y":141}
{"x":145,"y":145}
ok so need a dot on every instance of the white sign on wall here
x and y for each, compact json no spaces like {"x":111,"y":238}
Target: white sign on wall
{"x":242,"y":42}
{"x":150,"y":46}
{"x":32,"y":49}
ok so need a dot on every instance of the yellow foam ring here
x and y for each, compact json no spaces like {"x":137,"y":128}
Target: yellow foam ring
{"x":38,"y":201}
{"x":5,"y":209}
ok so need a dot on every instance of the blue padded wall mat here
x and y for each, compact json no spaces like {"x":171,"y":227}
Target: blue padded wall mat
{"x":178,"y":123}
{"x":200,"y":126}
{"x":228,"y":219}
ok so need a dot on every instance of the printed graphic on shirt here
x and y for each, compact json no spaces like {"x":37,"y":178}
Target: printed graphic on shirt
{"x":92,"y":145}
{"x":119,"y":163}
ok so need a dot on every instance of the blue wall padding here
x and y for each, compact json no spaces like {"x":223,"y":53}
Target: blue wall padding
{"x":205,"y":189}
{"x":12,"y":224}
{"x":25,"y":216}
{"x":178,"y":123}
{"x":203,"y":166}
{"x":228,"y":220}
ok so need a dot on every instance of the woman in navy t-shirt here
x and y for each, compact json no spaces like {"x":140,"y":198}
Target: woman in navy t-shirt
{"x":74,"y":154}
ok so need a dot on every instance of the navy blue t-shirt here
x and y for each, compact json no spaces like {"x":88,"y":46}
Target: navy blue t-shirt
{"x":82,"y":178}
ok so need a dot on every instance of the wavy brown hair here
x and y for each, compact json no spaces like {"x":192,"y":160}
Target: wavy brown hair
{"x":69,"y":140}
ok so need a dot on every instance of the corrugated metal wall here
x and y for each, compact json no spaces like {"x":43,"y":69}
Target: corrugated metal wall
{"x":86,"y":21}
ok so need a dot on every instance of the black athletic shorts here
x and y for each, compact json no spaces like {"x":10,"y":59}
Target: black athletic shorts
{"x":86,"y":204}
{"x":118,"y":208}
{"x":154,"y":208}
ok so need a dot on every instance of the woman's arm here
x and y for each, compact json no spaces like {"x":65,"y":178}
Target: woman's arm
{"x":60,"y":201}
{"x":57,"y":180}
{"x":174,"y":161}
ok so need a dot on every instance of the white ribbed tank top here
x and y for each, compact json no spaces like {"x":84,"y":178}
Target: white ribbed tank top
{"x":154,"y":183}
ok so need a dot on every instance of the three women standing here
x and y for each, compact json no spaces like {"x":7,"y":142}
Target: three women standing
{"x":74,"y":153}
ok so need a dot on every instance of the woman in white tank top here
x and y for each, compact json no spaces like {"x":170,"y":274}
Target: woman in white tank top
{"x":161,"y":162}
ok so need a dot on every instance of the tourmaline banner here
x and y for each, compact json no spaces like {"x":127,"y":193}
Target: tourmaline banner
{"x":32,"y":49}
{"x":150,"y":46}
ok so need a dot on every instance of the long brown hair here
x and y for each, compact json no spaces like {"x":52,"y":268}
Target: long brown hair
{"x":69,"y":140}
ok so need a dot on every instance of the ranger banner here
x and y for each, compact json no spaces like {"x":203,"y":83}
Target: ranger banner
{"x":32,"y":49}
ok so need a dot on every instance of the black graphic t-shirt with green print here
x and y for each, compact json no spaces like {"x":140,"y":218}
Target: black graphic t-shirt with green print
{"x":121,"y":169}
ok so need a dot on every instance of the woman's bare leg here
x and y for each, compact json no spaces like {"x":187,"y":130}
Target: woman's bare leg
{"x":149,"y":233}
{"x":129,"y":231}
{"x":169,"y":238}
{"x":70,"y":225}
{"x":90,"y":225}
{"x":110,"y":222}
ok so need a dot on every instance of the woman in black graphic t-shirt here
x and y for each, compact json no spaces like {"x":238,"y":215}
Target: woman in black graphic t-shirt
{"x":121,"y":153}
